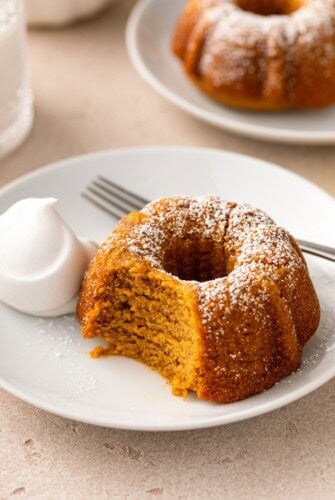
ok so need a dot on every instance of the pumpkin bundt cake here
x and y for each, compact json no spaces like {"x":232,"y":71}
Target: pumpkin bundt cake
{"x":260,"y":54}
{"x":212,"y":295}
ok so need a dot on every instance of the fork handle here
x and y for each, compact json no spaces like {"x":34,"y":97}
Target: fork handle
{"x":318,"y":250}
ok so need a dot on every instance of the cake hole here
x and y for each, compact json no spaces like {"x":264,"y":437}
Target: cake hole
{"x":270,"y":7}
{"x":194,"y":259}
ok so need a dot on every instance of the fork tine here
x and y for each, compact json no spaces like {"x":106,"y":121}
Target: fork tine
{"x":128,"y":205}
{"x":123,"y":190}
{"x":112,"y":198}
{"x":101,"y":206}
{"x":111,"y":202}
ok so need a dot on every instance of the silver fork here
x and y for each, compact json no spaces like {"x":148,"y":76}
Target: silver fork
{"x":117,"y":201}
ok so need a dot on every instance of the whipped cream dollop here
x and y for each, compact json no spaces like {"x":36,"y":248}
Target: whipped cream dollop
{"x":42,"y":261}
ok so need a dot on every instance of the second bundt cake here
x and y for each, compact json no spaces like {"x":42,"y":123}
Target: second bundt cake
{"x":212,"y":295}
{"x":260,"y":54}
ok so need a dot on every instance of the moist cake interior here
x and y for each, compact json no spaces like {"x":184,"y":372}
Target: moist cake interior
{"x":161,"y":334}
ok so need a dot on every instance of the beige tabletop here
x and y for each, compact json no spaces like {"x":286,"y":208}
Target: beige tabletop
{"x":89,"y":97}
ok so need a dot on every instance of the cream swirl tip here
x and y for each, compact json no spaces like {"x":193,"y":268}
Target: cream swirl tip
{"x":42,"y":262}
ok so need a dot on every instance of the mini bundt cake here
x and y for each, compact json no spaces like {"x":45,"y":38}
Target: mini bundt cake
{"x":263,"y":55}
{"x":212,"y":295}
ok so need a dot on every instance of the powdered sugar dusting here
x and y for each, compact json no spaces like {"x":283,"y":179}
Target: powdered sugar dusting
{"x":253,"y":245}
{"x":61,"y":344}
{"x":240,"y":43}
{"x":256,"y":248}
{"x":255,"y":238}
{"x":220,"y":297}
{"x":248,"y":315}
{"x":177,"y":217}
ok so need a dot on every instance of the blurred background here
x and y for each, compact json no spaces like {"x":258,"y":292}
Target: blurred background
{"x":88,"y":96}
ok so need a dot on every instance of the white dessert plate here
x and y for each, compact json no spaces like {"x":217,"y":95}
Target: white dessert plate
{"x":46,"y":362}
{"x":149,"y":31}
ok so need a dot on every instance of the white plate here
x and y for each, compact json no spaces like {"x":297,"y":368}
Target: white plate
{"x":46,"y":362}
{"x":149,"y":39}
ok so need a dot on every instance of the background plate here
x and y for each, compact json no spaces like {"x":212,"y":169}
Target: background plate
{"x":149,"y":33}
{"x":46,"y":362}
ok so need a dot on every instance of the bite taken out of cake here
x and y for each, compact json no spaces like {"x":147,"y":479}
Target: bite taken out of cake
{"x":213,"y":295}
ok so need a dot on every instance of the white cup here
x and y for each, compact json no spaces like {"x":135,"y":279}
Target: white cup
{"x":62,"y":12}
{"x":16,"y":103}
